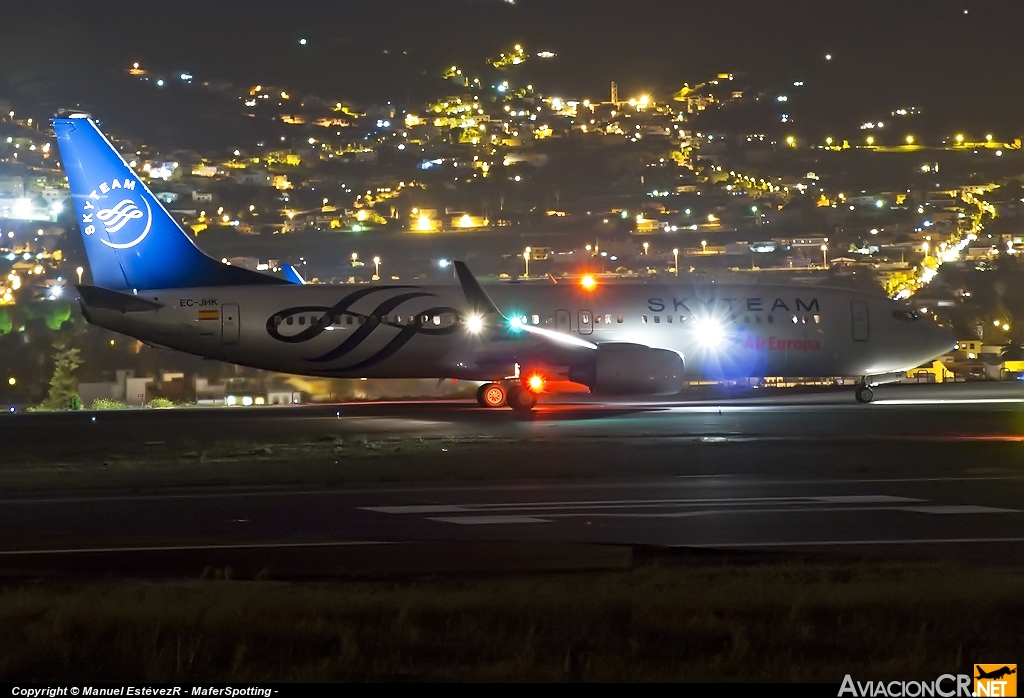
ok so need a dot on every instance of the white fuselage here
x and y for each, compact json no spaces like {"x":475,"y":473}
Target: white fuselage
{"x":409,"y":331}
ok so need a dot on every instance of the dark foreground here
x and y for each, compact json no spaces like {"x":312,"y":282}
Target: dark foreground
{"x":668,"y":618}
{"x":784,"y":537}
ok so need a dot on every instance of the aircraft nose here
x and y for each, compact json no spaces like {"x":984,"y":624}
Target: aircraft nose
{"x":937,"y":341}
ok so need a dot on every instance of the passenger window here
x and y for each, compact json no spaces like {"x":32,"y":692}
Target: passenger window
{"x":746,"y":319}
{"x":362,"y":320}
{"x":643,"y":318}
{"x":337,"y":321}
{"x":619,"y":319}
{"x":668,"y":318}
{"x":437,"y":319}
{"x":302,"y":319}
{"x":536,"y":319}
{"x":758,"y":319}
{"x":795,"y":319}
{"x":597,"y":319}
{"x":348,"y":320}
{"x":549,"y":320}
{"x":290,"y":320}
{"x":771,"y":319}
{"x":817,"y":319}
{"x":657,"y":318}
{"x":608,"y":319}
{"x":277,"y":321}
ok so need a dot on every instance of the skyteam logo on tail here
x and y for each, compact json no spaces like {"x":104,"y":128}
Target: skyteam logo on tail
{"x":124,"y":215}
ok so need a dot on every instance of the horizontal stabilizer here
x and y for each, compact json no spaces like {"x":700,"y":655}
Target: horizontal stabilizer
{"x":106,"y":299}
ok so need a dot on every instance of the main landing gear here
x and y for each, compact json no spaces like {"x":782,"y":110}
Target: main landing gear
{"x":491,"y":395}
{"x":517,"y":397}
{"x":864,"y":393}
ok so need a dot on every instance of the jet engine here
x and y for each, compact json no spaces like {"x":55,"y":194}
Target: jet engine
{"x":630,"y":369}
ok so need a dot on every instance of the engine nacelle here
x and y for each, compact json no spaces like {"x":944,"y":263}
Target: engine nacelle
{"x":631,"y":369}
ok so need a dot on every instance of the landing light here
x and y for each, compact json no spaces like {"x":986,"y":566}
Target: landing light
{"x":475,"y":323}
{"x":588,"y":282}
{"x":710,"y":332}
{"x":515,"y":324}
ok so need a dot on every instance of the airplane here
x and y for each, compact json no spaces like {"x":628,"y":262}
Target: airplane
{"x":996,"y":673}
{"x":151,"y":282}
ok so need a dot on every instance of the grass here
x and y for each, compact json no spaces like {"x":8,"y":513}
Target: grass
{"x":787,"y":621}
{"x":332,"y":460}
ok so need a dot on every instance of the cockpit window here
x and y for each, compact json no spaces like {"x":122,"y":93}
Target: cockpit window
{"x":906,"y":315}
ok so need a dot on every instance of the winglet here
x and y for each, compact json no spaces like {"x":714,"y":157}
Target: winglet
{"x":475,"y":294}
{"x":292,"y":274}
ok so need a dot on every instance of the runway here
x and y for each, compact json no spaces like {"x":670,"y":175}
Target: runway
{"x":926,"y":472}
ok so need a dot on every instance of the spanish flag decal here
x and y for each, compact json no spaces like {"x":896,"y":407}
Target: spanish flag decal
{"x":209,"y":314}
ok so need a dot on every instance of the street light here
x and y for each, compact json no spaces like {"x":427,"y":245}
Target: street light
{"x":526,"y":258}
{"x":824,"y":255}
{"x":376,"y":268}
{"x":646,"y":245}
{"x":79,"y":271}
{"x":703,"y":246}
{"x":675,"y":256}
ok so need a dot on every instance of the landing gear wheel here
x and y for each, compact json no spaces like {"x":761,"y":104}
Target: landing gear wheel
{"x":521,"y":400}
{"x":491,"y":395}
{"x":864,"y":393}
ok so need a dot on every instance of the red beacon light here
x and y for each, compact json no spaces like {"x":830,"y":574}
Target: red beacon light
{"x":588,"y":282}
{"x":535,"y":383}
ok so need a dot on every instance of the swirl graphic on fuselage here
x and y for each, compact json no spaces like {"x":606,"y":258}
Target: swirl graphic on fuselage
{"x":115,"y":218}
{"x":369,"y":322}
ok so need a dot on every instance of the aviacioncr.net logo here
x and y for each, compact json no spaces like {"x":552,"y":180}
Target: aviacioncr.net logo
{"x":124,"y":215}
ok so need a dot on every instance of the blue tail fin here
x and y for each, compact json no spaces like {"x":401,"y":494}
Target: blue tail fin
{"x":132,"y":242}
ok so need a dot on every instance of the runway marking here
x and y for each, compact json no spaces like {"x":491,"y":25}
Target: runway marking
{"x":951,"y":401}
{"x":961,"y":509}
{"x":219,"y":546}
{"x":733,"y":480}
{"x":807,"y":543}
{"x":637,"y":504}
{"x":478,"y":520}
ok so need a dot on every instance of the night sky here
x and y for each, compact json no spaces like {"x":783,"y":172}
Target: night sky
{"x":963,"y":68}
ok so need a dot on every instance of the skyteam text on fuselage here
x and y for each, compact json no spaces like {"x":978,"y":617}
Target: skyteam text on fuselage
{"x":151,"y":282}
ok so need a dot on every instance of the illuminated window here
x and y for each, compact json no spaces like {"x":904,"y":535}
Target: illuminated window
{"x":535,"y":319}
{"x":817,"y":319}
{"x":585,"y":319}
{"x":437,"y":319}
{"x":398,"y":319}
{"x":803,"y":319}
{"x":597,"y":319}
{"x":643,"y":319}
{"x":795,"y":319}
{"x":608,"y":319}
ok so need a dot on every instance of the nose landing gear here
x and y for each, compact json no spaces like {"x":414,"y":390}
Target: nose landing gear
{"x":864,"y":393}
